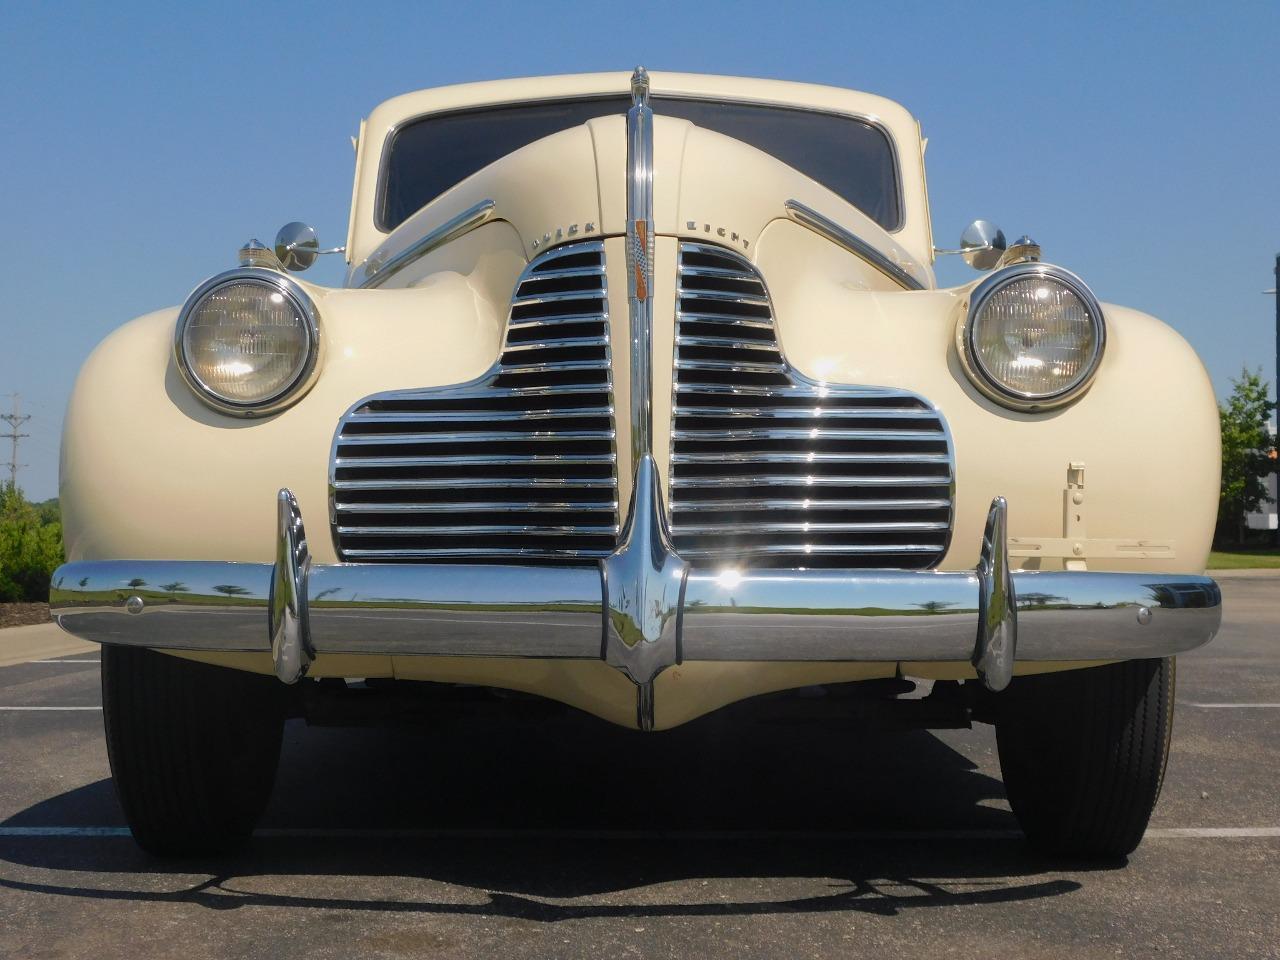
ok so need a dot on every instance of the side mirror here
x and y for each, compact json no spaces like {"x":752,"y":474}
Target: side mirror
{"x":297,"y":246}
{"x":982,"y":245}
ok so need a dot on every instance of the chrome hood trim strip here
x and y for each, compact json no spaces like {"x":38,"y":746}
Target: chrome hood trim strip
{"x":374,"y":273}
{"x":640,"y":264}
{"x":824,"y":226}
{"x":643,"y":579}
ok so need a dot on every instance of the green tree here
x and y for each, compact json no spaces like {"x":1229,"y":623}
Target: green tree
{"x":30,"y":547}
{"x":49,"y":510}
{"x":1248,"y":453}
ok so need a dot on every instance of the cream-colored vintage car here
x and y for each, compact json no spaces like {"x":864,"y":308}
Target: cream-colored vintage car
{"x":640,"y":396}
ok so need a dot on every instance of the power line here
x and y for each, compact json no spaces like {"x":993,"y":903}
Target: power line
{"x":15,"y":420}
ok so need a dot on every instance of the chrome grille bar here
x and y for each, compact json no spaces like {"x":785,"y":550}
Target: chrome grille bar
{"x":801,"y":457}
{"x":519,"y":463}
{"x":720,"y":480}
{"x":479,"y":414}
{"x":838,"y":554}
{"x":817,"y":414}
{"x":488,"y":436}
{"x":750,"y":431}
{"x":477,"y":482}
{"x":485,"y":506}
{"x":807,"y":503}
{"x":816,"y":433}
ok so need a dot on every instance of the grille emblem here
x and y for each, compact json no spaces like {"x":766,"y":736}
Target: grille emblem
{"x":563,"y":233}
{"x":723,"y":233}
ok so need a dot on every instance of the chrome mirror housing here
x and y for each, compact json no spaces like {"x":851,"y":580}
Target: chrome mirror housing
{"x":297,"y":246}
{"x":982,"y":245}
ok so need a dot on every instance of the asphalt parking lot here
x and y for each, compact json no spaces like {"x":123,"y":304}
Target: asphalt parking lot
{"x":728,"y":837}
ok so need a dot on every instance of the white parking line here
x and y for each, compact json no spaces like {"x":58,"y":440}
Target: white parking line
{"x":47,"y":832}
{"x":1155,"y":833}
{"x":1231,"y":706}
{"x":1193,"y":833}
{"x":23,"y":709}
{"x":64,"y":661}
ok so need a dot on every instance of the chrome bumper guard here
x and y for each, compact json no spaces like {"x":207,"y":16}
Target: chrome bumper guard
{"x":641,"y":610}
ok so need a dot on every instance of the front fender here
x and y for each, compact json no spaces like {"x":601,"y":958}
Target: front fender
{"x":150,"y":472}
{"x":1146,"y":429}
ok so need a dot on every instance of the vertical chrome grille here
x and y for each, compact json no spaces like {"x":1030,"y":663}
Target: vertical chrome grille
{"x":519,"y":463}
{"x":775,"y":469}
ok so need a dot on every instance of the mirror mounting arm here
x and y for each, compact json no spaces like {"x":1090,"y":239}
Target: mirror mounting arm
{"x":939,"y":252}
{"x":318,"y":253}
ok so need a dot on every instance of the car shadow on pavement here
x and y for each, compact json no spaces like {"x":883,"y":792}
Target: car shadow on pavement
{"x":572,"y":819}
{"x":547,"y":881}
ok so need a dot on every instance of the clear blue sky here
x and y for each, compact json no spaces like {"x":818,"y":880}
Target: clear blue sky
{"x":141,"y":144}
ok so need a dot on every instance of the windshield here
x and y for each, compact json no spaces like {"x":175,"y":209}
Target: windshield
{"x":849,"y":156}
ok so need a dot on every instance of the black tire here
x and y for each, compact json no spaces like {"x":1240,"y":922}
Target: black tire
{"x":193,"y":748}
{"x":1083,"y":755}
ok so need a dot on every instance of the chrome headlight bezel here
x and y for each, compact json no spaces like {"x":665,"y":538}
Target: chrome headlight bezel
{"x":292,"y":391}
{"x":989,"y":385}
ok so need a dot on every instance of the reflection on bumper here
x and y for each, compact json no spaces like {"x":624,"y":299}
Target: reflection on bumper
{"x":831,"y":615}
{"x":296,"y":610}
{"x":869,"y":615}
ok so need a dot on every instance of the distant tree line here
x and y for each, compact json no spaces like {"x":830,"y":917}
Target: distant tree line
{"x":1248,"y":456}
{"x":30,"y":545}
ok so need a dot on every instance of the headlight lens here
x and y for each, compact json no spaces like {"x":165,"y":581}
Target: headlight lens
{"x":1033,"y":336}
{"x":247,"y":341}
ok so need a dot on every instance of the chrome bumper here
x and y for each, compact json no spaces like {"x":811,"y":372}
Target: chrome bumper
{"x":641,"y":610}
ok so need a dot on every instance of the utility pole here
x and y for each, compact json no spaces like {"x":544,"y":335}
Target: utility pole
{"x":1276,"y":291}
{"x":15,"y":420}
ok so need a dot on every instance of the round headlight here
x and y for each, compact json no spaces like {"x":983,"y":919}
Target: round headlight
{"x":1033,"y":336}
{"x":247,"y":341}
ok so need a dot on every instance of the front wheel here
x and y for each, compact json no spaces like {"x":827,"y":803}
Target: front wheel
{"x":1083,"y":754}
{"x":193,"y":748}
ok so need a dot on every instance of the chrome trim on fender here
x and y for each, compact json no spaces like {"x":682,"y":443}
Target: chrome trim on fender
{"x":373,"y":273}
{"x":824,"y":226}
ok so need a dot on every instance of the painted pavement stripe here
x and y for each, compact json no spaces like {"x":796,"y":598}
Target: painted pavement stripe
{"x":1230,"y":706}
{"x":1155,"y":833}
{"x":45,"y":709}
